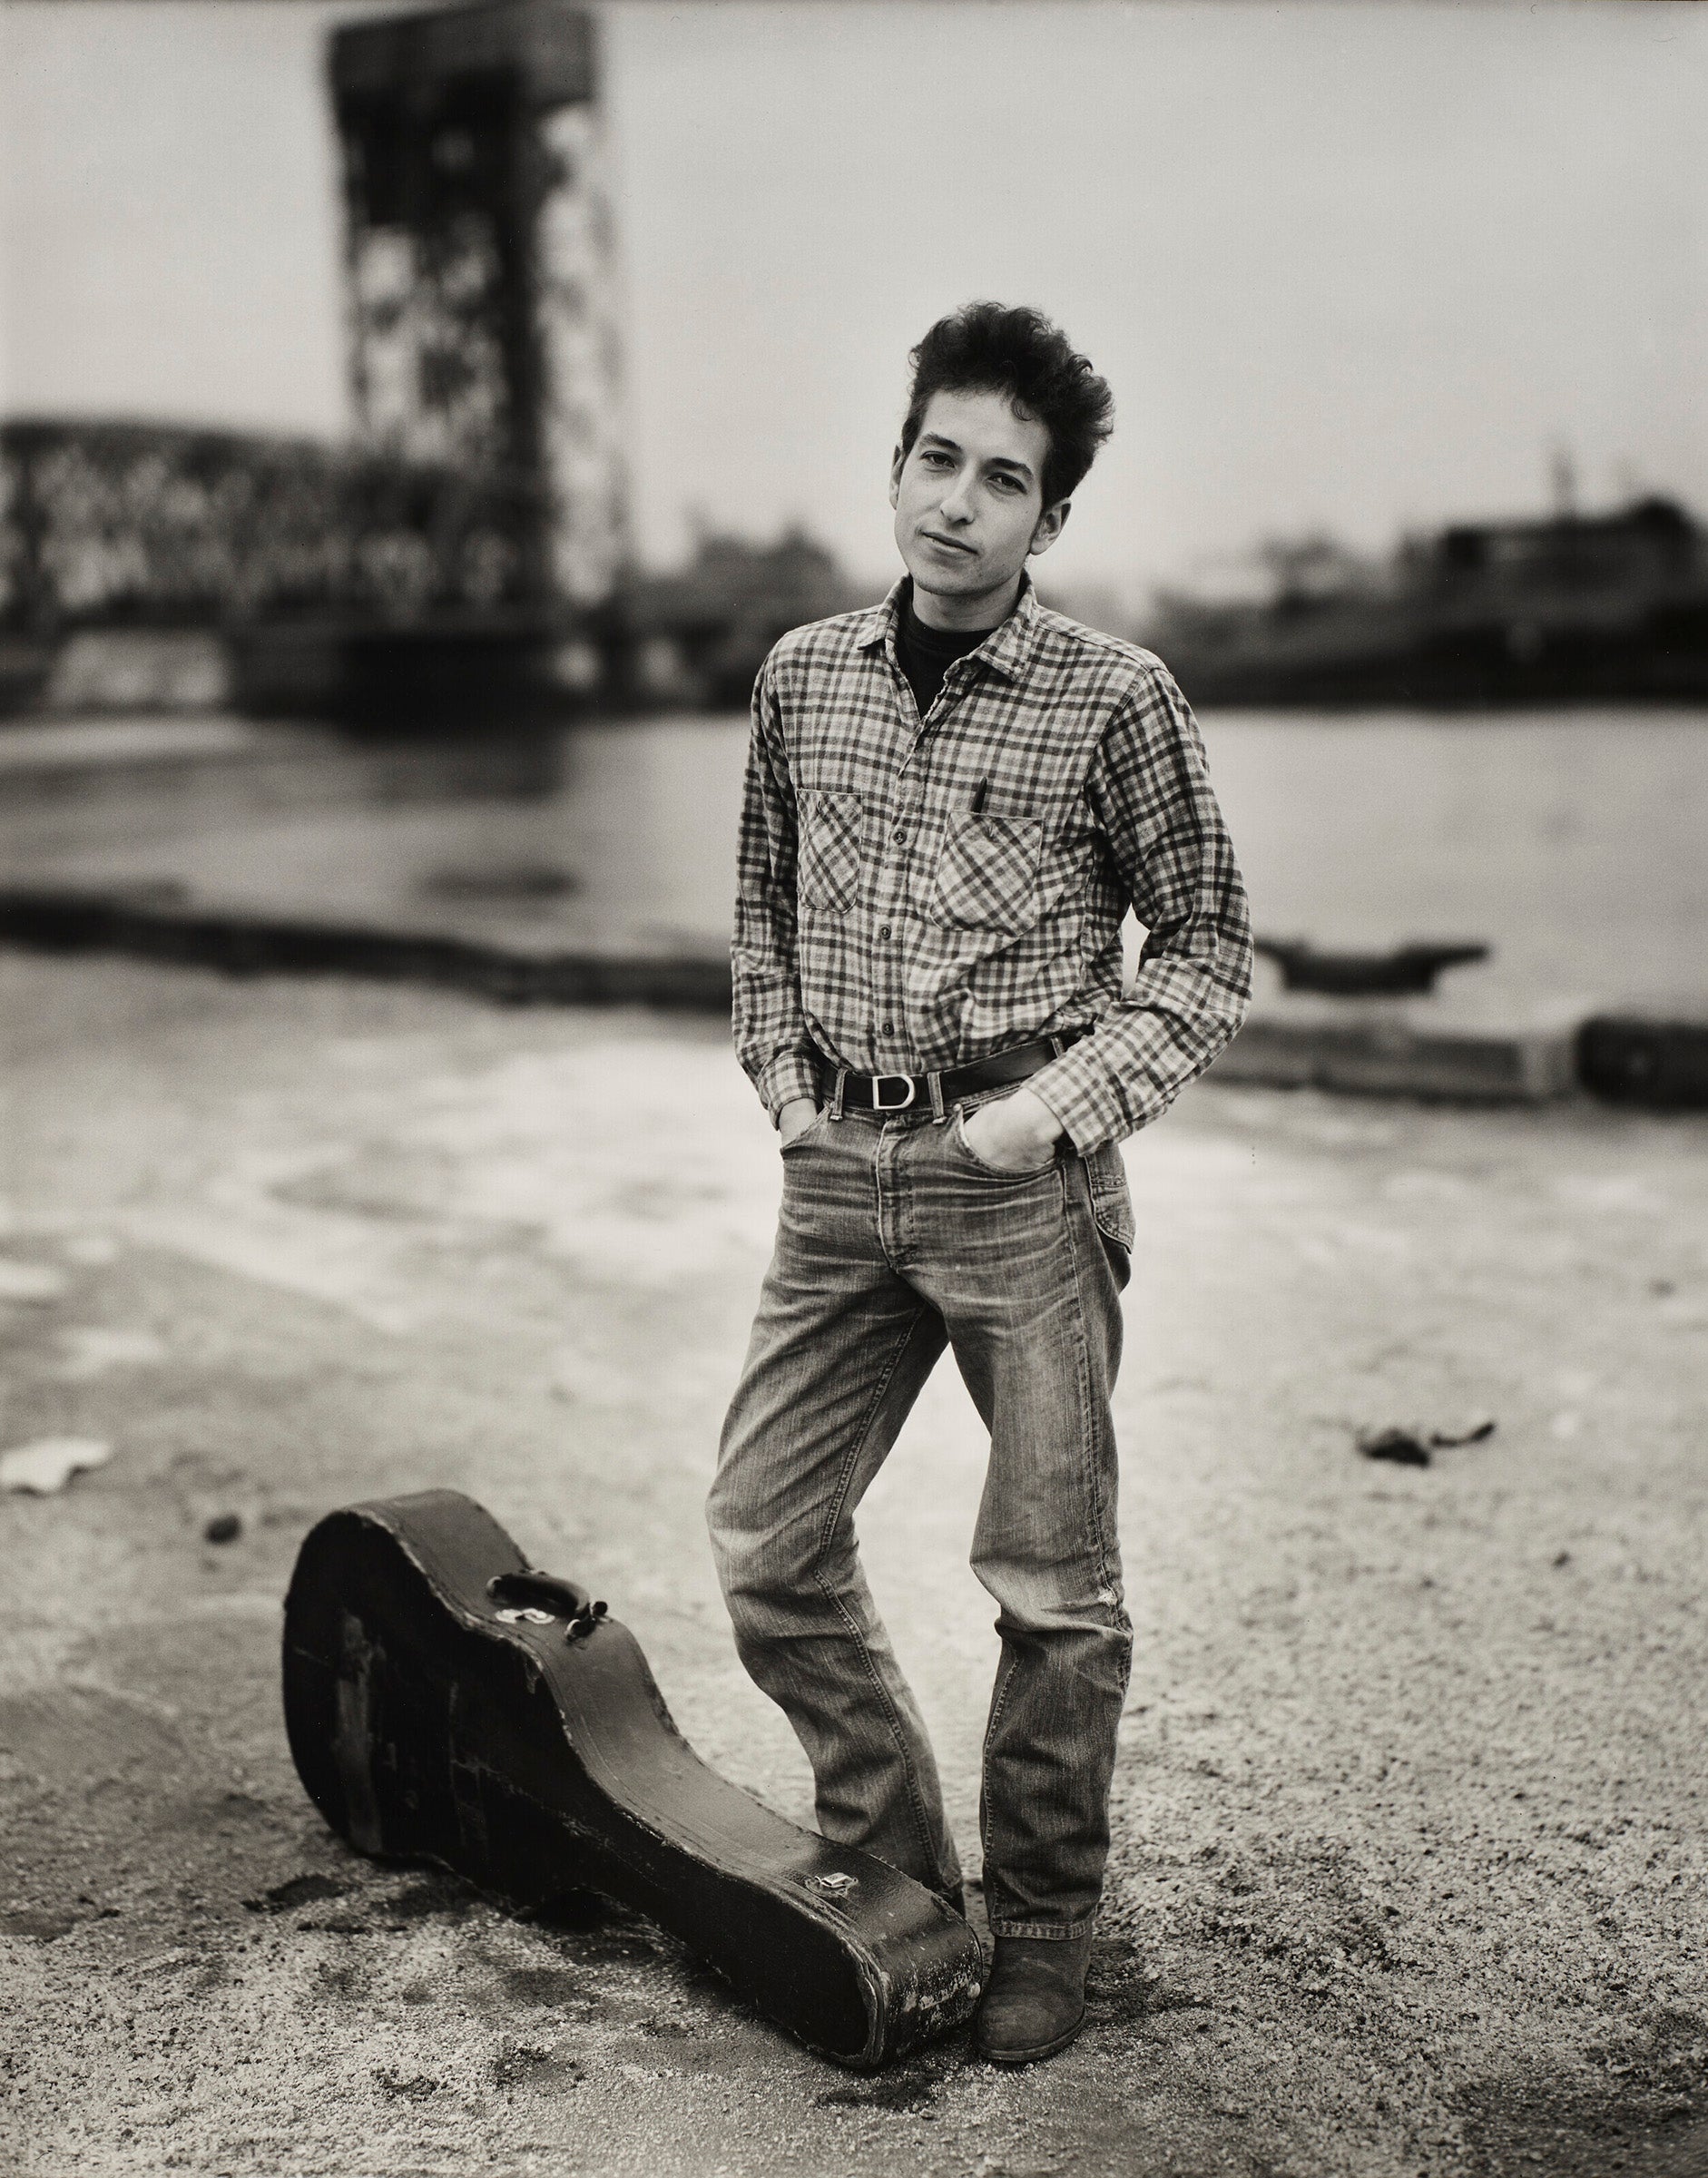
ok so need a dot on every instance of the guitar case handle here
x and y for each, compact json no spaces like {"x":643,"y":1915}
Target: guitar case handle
{"x":544,"y":1591}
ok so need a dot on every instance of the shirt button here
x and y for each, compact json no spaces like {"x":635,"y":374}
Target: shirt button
{"x":883,"y":929}
{"x":899,"y":833}
{"x":889,"y":1028}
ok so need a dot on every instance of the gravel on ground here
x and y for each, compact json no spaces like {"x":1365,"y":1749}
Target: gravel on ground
{"x":1409,"y":1875}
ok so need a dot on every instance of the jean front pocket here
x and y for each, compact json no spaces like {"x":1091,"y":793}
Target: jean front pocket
{"x":804,"y":1134}
{"x":957,"y":1135}
{"x":987,"y":873}
{"x":830,"y":872}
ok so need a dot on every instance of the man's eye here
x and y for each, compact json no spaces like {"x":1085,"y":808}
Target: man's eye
{"x":938,"y":461}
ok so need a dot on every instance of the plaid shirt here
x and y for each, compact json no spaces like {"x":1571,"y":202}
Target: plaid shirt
{"x":915,"y":894}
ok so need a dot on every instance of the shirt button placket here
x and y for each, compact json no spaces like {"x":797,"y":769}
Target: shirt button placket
{"x":901,"y":836}
{"x":898,"y":834}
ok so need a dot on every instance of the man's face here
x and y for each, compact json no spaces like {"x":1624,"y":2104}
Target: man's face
{"x":968,"y":497}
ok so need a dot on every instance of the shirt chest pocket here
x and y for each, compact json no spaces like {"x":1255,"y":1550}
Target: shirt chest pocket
{"x":987,"y":873}
{"x":830,"y":866}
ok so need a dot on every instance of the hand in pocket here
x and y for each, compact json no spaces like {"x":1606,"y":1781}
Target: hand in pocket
{"x":1014,"y":1134}
{"x":796,"y":1116}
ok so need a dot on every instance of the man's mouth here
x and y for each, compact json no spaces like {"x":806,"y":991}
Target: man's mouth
{"x":948,"y":544}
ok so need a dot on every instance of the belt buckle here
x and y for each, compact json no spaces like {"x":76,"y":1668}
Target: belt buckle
{"x":908,"y":1082}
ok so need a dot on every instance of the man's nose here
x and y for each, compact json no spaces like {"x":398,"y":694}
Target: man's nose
{"x":957,"y":502}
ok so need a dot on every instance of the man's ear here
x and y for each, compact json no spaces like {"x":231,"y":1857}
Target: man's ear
{"x":1051,"y":524}
{"x":897,"y":461}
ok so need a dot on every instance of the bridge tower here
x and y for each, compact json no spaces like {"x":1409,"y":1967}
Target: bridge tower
{"x":478,"y":239}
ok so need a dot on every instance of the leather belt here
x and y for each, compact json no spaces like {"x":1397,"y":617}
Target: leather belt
{"x":900,"y":1092}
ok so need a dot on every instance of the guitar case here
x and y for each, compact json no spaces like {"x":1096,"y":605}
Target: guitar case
{"x":444,"y":1703}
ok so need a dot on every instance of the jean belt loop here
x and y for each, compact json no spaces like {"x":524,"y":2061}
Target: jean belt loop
{"x":934,"y":1082}
{"x":836,"y":1102}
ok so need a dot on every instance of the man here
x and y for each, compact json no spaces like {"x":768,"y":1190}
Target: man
{"x":952,"y":800}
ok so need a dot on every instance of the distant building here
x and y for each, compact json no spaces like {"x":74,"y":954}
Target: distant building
{"x":1649,"y":545}
{"x":1570,"y":607}
{"x":698,"y":636}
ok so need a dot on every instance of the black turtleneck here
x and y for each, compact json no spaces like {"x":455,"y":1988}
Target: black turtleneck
{"x":928,"y":653}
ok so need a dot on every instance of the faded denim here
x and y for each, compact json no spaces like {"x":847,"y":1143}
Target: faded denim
{"x":893,"y":1241}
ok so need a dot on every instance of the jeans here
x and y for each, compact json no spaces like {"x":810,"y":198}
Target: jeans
{"x":893,"y":1241}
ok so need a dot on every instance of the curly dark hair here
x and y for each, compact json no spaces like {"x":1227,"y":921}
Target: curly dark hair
{"x":987,"y":347}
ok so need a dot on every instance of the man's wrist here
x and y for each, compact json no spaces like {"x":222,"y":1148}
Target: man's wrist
{"x":787,"y":1074}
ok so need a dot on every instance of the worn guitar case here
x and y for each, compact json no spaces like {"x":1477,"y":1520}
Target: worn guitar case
{"x":444,"y":1703}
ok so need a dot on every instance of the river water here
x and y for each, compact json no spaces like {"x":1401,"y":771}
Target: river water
{"x":1572,"y":841}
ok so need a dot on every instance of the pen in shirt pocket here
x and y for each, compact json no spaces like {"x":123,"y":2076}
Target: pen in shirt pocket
{"x":976,"y":807}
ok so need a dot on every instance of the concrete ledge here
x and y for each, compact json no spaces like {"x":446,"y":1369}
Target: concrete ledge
{"x":152,"y":927}
{"x":1416,"y":1047}
{"x":1427,"y":1047}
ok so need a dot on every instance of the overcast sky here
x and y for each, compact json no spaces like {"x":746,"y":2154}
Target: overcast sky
{"x":1345,"y":265}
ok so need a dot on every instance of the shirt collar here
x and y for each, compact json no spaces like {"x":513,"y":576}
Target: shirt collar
{"x":1008,"y":649}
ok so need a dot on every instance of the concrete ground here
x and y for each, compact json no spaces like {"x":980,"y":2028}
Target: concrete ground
{"x":1408,"y":1874}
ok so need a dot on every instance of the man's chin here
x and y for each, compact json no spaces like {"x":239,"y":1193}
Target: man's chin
{"x":941,"y":579}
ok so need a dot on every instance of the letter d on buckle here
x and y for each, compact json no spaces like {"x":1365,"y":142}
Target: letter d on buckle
{"x":902,"y":1102}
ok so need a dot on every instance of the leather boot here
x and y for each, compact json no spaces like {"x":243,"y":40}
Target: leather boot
{"x":1034,"y":2002}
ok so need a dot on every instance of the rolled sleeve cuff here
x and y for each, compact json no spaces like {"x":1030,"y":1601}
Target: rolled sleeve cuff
{"x":787,"y":1076}
{"x":1081,"y":1091}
